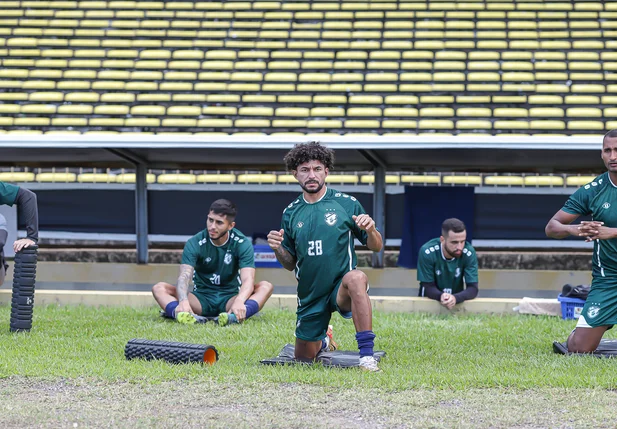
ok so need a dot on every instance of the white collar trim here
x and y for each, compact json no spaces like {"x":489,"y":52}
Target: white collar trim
{"x":322,"y":197}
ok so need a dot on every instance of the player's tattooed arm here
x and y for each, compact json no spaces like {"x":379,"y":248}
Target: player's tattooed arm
{"x":184,"y":280}
{"x":285,"y":258}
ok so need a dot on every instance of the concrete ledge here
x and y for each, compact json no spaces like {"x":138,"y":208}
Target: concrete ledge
{"x":282,"y":301}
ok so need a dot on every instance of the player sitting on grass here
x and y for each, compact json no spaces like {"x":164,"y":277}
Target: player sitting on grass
{"x":28,"y":213}
{"x":448,"y":266}
{"x":212,"y":259}
{"x":317,"y":242}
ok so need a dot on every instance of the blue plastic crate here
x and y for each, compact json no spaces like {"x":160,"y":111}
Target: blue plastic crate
{"x":571,"y":308}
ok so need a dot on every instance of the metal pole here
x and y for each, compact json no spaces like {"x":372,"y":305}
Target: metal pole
{"x":141,"y":213}
{"x":379,"y":211}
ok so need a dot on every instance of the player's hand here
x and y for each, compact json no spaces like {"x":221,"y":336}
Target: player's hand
{"x":364,"y":222}
{"x":601,"y":233}
{"x":239,"y":309}
{"x":589,"y":229}
{"x":448,"y":300}
{"x":184,"y":306}
{"x":22,"y":244}
{"x":275,"y":240}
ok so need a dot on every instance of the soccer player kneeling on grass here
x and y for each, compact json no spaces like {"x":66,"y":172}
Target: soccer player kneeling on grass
{"x":212,"y":259}
{"x":317,"y":242}
{"x":448,"y":266}
{"x":597,"y":199}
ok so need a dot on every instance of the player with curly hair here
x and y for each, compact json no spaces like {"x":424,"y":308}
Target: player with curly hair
{"x":316,"y":240}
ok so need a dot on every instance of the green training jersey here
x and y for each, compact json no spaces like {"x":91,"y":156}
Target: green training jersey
{"x":320,"y":236}
{"x":447,"y":274}
{"x":598,"y":199}
{"x":217,"y":267}
{"x":8,"y":193}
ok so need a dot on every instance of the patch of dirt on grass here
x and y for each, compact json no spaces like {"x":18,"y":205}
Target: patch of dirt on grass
{"x":80,"y":403}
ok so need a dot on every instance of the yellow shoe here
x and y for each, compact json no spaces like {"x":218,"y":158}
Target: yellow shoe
{"x":185,"y":317}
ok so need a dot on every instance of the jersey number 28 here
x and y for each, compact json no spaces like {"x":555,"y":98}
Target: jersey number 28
{"x":315,"y":248}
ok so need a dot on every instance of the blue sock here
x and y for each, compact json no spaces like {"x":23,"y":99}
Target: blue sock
{"x":170,"y":309}
{"x":365,"y":342}
{"x":251,"y":307}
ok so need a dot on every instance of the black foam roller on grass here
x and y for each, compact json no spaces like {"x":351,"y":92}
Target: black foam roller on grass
{"x":170,"y":351}
{"x":22,"y":302}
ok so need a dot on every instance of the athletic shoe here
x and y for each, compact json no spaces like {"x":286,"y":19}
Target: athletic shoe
{"x":225,"y":319}
{"x":369,"y":363}
{"x":185,"y":317}
{"x":331,"y":344}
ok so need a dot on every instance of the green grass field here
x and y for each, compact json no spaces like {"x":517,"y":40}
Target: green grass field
{"x":458,"y":371}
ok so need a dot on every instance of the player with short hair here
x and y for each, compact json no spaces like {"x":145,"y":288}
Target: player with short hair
{"x":221,"y":263}
{"x":28,"y":213}
{"x":597,"y":199}
{"x":316,"y":240}
{"x":448,"y":266}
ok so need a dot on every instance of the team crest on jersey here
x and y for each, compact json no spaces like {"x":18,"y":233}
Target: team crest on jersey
{"x":593,"y":311}
{"x":300,"y":224}
{"x":606,"y":205}
{"x":457,"y":273}
{"x":227,"y":259}
{"x":330,"y":218}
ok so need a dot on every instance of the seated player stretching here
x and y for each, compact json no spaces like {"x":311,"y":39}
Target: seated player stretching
{"x":212,"y":259}
{"x":317,"y":241}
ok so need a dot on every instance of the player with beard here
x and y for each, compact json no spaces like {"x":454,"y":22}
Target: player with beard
{"x":221,"y":263}
{"x":448,"y":266}
{"x":316,"y":240}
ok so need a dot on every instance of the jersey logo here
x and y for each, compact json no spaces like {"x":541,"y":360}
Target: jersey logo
{"x":593,"y":311}
{"x":606,"y":205}
{"x":458,"y":272}
{"x":438,"y":272}
{"x":353,"y":198}
{"x":227,"y":258}
{"x":203,"y":241}
{"x":594,"y":184}
{"x":330,"y":218}
{"x":208,"y":259}
{"x":338,"y":194}
{"x":300,"y":224}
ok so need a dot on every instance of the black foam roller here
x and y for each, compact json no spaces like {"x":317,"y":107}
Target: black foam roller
{"x":22,"y":302}
{"x":170,"y":351}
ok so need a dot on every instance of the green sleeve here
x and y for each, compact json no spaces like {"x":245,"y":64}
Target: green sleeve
{"x":361,"y":235}
{"x":8,"y":193}
{"x":426,"y":273}
{"x":246,"y":255}
{"x":288,"y":241}
{"x":578,"y":203}
{"x":190,"y":252}
{"x":471,"y":267}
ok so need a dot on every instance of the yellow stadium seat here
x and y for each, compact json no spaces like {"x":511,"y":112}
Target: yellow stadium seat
{"x":462,"y":180}
{"x":256,"y":178}
{"x":504,"y":180}
{"x":543,"y":181}
{"x":16,"y":176}
{"x":579,"y":180}
{"x":56,"y":177}
{"x":216,"y":178}
{"x":131,"y":178}
{"x":342,"y":178}
{"x":96,"y":178}
{"x":176,"y":178}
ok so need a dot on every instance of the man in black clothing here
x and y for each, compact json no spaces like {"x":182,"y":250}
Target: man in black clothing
{"x":28,"y":214}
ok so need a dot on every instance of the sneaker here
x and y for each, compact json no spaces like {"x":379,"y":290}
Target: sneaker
{"x":369,"y":363}
{"x":332,"y":346}
{"x":225,"y":319}
{"x":185,"y":317}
